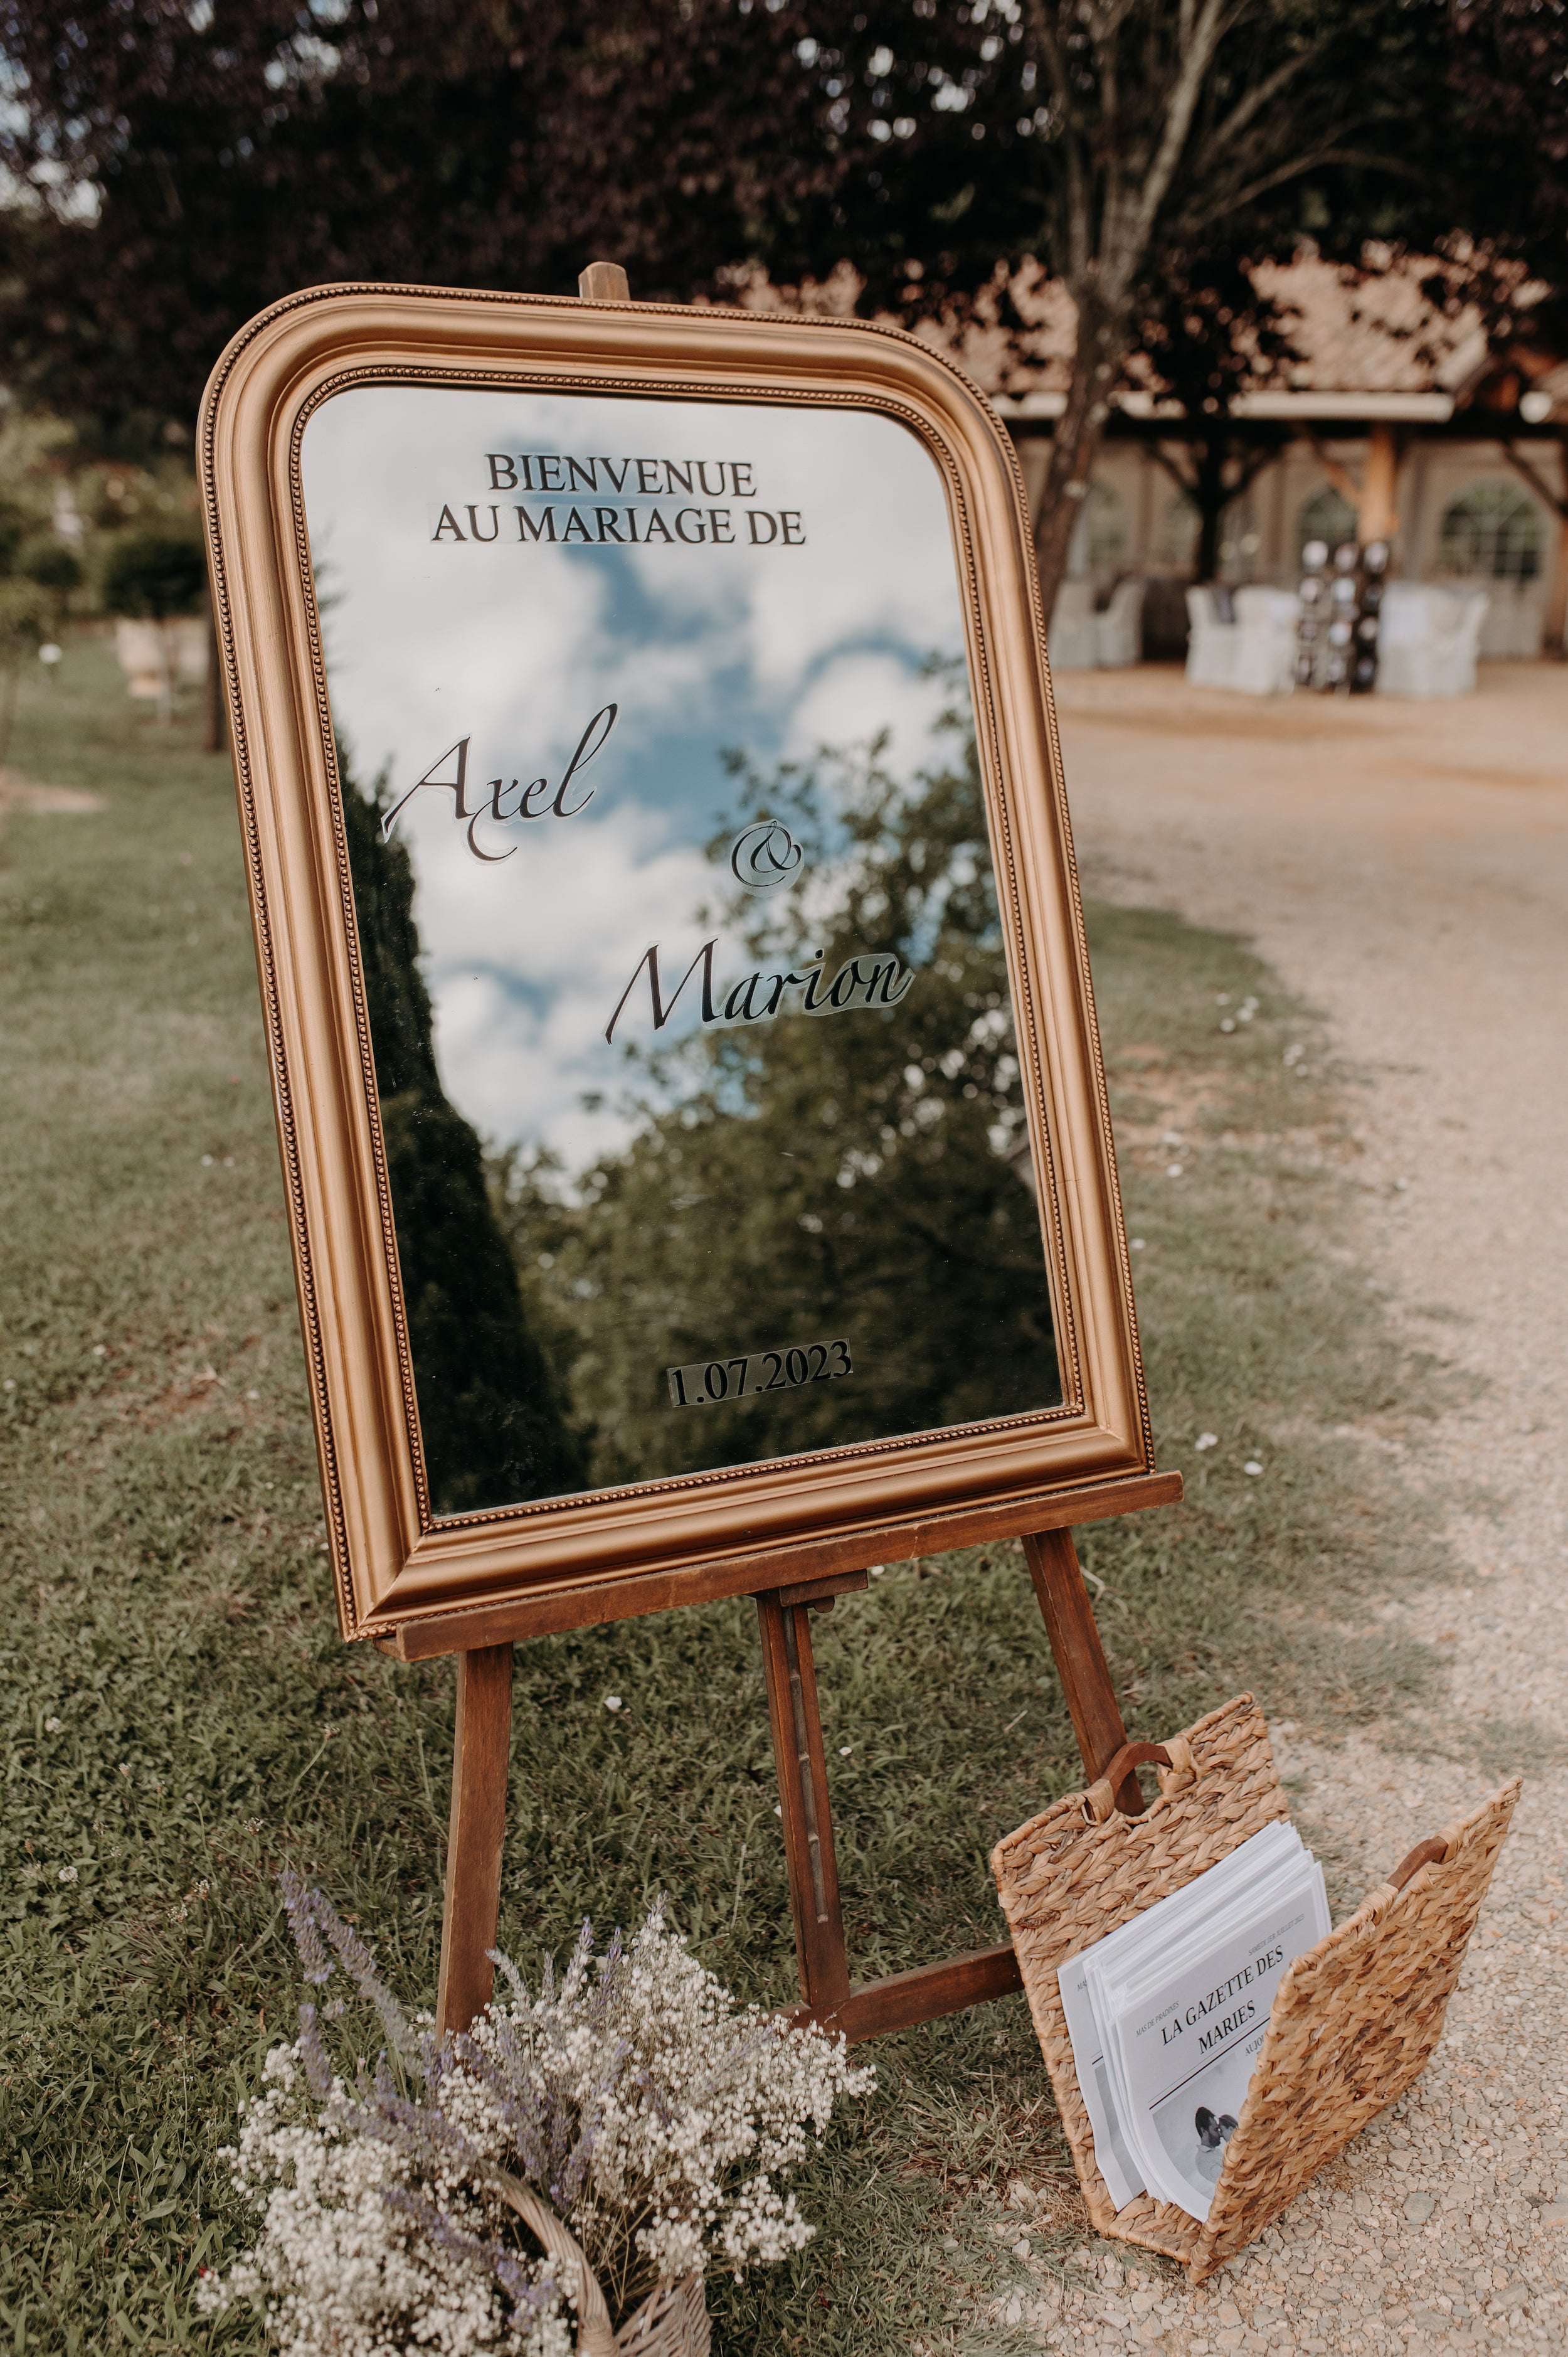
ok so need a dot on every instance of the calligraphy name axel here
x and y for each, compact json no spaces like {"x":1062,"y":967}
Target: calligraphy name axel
{"x":534,"y":799}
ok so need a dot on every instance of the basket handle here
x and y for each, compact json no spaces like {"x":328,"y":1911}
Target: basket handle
{"x":1434,"y":1851}
{"x":1172,"y":1760}
{"x":595,"y":2334}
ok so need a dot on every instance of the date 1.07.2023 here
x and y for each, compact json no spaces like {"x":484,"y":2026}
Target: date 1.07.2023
{"x":710,"y":1382}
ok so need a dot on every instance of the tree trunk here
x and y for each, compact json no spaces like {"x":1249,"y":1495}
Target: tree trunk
{"x":165,"y":692}
{"x":1098,"y":355}
{"x":1211,"y":496}
{"x":10,"y":681}
{"x":1555,"y":638}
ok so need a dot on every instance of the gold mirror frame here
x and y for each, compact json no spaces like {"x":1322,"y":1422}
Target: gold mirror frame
{"x":428,"y":1585}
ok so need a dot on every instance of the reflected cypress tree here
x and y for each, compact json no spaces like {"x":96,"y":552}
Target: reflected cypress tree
{"x":492,"y":1414}
{"x":867,"y":1176}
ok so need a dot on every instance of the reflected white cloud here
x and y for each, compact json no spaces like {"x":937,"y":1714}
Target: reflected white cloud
{"x":513,"y":643}
{"x":833,"y":711}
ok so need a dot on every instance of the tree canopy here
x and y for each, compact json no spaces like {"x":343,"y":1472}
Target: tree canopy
{"x":180,"y":162}
{"x":793,"y":1181}
{"x":490,"y":1412}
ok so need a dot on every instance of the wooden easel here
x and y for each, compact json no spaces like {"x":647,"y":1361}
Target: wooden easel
{"x":472,"y":1901}
{"x":828,"y":1995}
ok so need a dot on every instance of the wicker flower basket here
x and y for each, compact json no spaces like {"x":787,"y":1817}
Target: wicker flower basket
{"x":672,"y":2322}
{"x":1353,"y":2022}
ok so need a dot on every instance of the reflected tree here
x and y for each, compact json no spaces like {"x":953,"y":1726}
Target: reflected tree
{"x":867,"y":1176}
{"x":491,"y":1413}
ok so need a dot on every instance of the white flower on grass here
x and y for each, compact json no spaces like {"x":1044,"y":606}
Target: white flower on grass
{"x":68,"y":1874}
{"x":53,"y":1726}
{"x":1207,"y":1440}
{"x":612,"y":1702}
{"x":1172,"y":1169}
{"x":1251,"y":1466}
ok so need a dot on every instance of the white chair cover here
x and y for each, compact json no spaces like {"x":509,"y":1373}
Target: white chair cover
{"x":1428,"y":639}
{"x":1072,"y":641}
{"x":1119,"y":632}
{"x":1265,"y":660}
{"x":1211,"y":643}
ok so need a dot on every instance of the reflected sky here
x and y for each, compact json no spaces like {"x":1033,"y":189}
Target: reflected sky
{"x":797,"y":603}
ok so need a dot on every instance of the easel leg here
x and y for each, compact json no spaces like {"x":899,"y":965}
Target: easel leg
{"x":472,"y":1908}
{"x":1080,"y":1658}
{"x":803,"y":1799}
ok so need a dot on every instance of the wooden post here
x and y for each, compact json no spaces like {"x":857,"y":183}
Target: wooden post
{"x":802,"y":1767}
{"x":1080,"y":1659}
{"x":1555,"y":630}
{"x":481,"y":1755}
{"x":1373,"y":496}
{"x":1375,"y":517}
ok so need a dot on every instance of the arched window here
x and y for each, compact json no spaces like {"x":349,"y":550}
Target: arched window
{"x":1239,"y":540}
{"x":1107,"y":529}
{"x":1175,"y":541}
{"x":1327,"y":516}
{"x":1099,"y":541}
{"x":1177,"y":536}
{"x":1492,"y":531}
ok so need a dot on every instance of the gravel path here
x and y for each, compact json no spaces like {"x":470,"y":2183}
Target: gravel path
{"x":1405,"y":867}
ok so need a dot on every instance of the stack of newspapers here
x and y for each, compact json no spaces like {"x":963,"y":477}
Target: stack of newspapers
{"x":1168,"y":2014}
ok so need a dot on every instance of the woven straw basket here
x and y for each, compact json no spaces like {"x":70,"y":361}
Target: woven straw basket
{"x":672,"y":2322}
{"x":1353,"y":2022}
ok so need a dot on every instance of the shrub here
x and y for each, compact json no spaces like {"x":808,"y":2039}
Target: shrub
{"x":154,"y":576}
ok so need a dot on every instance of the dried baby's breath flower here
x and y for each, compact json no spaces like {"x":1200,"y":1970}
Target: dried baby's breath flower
{"x":658,"y":2119}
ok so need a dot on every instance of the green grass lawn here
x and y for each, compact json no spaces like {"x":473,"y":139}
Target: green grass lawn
{"x":178,"y":1716}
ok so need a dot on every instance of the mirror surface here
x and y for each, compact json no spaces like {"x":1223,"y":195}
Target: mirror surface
{"x":704,"y":1127}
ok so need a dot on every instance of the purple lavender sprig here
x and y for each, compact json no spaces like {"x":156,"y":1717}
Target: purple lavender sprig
{"x":312,"y":1917}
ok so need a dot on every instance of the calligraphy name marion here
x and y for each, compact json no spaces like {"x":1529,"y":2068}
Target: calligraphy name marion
{"x":863,"y":981}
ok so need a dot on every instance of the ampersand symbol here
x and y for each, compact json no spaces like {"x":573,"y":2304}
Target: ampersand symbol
{"x":766,"y":856}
